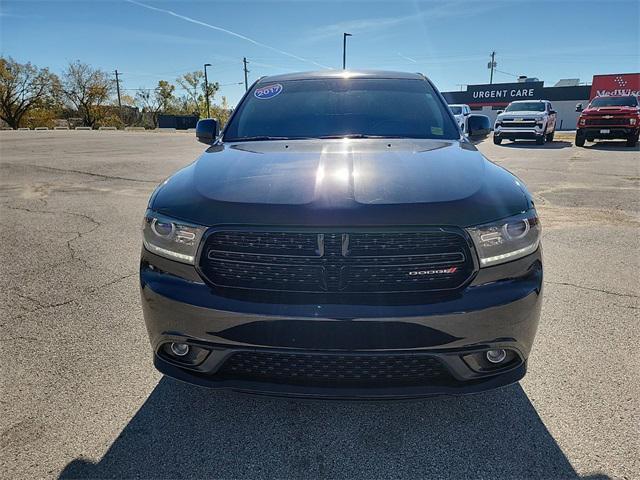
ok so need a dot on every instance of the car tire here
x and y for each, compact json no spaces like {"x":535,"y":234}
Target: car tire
{"x":540,"y":140}
{"x":580,"y":139}
{"x":497,"y":140}
{"x":632,"y":140}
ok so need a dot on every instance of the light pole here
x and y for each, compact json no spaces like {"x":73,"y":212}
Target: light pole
{"x":344,"y":49}
{"x":206,"y":88}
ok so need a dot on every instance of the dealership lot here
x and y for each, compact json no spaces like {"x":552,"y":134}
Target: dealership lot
{"x":82,"y":400}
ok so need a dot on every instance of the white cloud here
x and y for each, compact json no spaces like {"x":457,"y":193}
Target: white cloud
{"x":435,"y":11}
{"x":228,"y":32}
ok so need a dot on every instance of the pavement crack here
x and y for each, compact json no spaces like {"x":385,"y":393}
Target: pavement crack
{"x":113,"y":282}
{"x":46,"y":306}
{"x":83,"y":172}
{"x":77,"y":233}
{"x":601,"y":290}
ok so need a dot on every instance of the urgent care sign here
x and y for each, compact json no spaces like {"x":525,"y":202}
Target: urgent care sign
{"x":503,"y":93}
{"x":615,"y":84}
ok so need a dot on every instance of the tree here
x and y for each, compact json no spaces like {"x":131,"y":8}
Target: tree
{"x":194,"y":100}
{"x":221,"y":112}
{"x":23,"y":86}
{"x":155,"y":101}
{"x":88,"y":89}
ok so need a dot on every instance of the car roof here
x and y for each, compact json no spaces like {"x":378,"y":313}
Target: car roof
{"x":342,"y":74}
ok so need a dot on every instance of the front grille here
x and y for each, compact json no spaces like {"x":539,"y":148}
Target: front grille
{"x":607,"y":121}
{"x":365,"y":262}
{"x":335,"y":369}
{"x":513,"y":123}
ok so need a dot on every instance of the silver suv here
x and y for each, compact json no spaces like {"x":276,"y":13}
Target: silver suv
{"x":526,"y":119}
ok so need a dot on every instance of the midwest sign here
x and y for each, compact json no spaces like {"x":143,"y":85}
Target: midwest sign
{"x":499,"y":93}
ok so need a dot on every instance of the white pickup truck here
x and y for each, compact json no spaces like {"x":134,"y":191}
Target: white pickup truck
{"x":461,"y":112}
{"x":526,"y":119}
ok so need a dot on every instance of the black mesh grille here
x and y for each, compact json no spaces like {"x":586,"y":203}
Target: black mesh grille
{"x":335,"y":369}
{"x":435,"y":259}
{"x":607,"y":121}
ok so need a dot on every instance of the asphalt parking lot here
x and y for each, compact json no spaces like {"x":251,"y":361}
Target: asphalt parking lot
{"x":80,"y":398}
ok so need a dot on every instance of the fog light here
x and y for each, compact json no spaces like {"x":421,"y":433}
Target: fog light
{"x":181,"y":349}
{"x":496,"y":356}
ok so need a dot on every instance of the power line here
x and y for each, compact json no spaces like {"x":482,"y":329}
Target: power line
{"x":507,"y":73}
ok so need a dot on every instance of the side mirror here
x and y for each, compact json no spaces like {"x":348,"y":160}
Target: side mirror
{"x":207,"y":130}
{"x":478,"y":126}
{"x":500,"y":111}
{"x":466,"y":114}
{"x":579,"y":107}
{"x":552,"y":112}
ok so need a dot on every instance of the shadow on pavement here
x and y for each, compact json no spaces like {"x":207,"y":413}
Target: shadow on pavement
{"x":555,"y":145}
{"x":189,"y":432}
{"x":618,"y":146}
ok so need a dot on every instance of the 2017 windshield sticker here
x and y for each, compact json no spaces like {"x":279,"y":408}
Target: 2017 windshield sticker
{"x":268,"y":91}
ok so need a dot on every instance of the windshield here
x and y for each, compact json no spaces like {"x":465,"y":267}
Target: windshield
{"x":339,"y":107}
{"x":614,"y":102}
{"x":456,"y":110}
{"x":526,"y":107}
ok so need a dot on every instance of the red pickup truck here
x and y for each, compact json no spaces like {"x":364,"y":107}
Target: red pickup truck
{"x":609,"y":117}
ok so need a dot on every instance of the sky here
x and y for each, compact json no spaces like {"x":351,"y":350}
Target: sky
{"x":449,"y":41}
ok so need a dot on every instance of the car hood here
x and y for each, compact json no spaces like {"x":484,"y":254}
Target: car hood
{"x":342,"y":182}
{"x":519,"y":113}
{"x":609,"y":110}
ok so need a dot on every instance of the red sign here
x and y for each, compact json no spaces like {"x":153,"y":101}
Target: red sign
{"x":615,"y":84}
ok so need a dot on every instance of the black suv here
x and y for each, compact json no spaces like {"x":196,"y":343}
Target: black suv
{"x":342,"y":238}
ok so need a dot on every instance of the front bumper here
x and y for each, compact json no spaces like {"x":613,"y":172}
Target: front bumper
{"x":610,"y":132}
{"x":500,"y":308}
{"x":519,"y":133}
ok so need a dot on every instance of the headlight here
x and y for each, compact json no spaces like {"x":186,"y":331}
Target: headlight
{"x":171,"y":238}
{"x":508,"y":239}
{"x":582,"y":121}
{"x":632,"y":121}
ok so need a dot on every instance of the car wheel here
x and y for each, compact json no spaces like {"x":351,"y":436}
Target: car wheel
{"x":540,"y":140}
{"x":632,"y":140}
{"x":497,"y":140}
{"x":580,"y":139}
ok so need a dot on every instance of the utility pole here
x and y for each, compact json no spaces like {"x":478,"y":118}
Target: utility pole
{"x":206,"y":88}
{"x":344,"y":49}
{"x":118,"y":90}
{"x":246,"y":83}
{"x":492,"y":64}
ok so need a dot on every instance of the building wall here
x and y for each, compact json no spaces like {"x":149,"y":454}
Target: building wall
{"x":563,"y":99}
{"x":567,"y":117}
